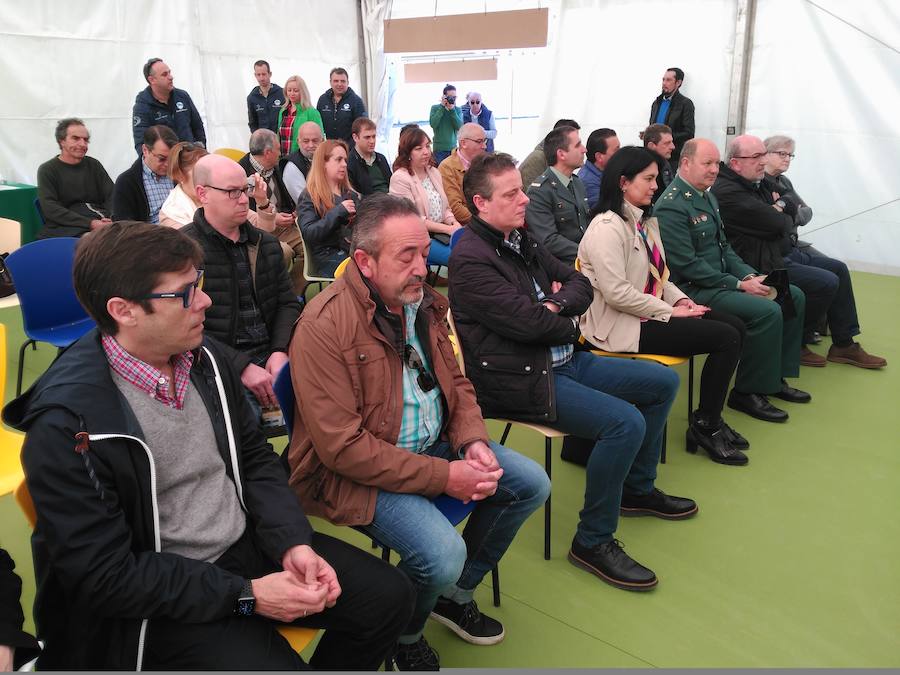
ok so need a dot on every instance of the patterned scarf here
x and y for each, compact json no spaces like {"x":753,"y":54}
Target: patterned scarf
{"x":659,"y":273}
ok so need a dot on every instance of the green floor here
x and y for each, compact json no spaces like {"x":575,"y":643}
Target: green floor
{"x":792,"y":560}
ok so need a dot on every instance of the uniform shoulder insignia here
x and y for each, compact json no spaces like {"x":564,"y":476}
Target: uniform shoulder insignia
{"x":535,"y":184}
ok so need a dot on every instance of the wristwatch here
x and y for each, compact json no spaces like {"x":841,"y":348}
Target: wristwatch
{"x":246,"y":601}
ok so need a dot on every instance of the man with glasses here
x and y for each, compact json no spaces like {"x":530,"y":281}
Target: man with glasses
{"x":474,"y":110}
{"x":141,"y":189}
{"x":161,"y":103}
{"x":167,"y":537}
{"x":472,"y":142}
{"x":254,"y":307}
{"x":386,"y":422}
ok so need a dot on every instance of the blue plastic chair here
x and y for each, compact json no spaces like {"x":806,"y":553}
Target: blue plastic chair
{"x":40,"y":211}
{"x":454,"y":510}
{"x":455,"y":237}
{"x":42,"y":274}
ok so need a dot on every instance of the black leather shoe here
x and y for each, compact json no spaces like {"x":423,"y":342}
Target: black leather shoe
{"x":792,"y":395}
{"x":609,"y":562}
{"x":737,"y":441}
{"x":658,"y":504}
{"x":756,"y":405}
{"x":716,"y":444}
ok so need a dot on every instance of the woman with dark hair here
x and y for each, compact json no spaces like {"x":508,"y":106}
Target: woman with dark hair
{"x":637,"y":309}
{"x":327,"y":207}
{"x":416,"y":178}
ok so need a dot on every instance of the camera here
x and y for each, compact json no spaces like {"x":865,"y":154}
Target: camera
{"x":451,"y":99}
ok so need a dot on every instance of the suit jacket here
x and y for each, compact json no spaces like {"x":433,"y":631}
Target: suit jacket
{"x":615,"y":260}
{"x":405,"y":184}
{"x":555,"y":217}
{"x":680,"y":119}
{"x":452,"y":172}
{"x":129,"y":198}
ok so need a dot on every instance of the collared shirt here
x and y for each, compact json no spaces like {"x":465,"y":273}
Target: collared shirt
{"x":462,"y":160}
{"x":157,"y":188}
{"x":267,"y":175}
{"x":565,"y":180}
{"x":423,"y":413}
{"x":663,"y":110}
{"x":559,"y":354}
{"x":145,"y":377}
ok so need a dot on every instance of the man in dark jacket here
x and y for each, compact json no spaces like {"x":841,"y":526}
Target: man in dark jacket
{"x":265,"y":100}
{"x":162,"y":103}
{"x":339,"y":107}
{"x":142,"y":188}
{"x":254,"y":307}
{"x":658,"y":140}
{"x":675,"y":110}
{"x":368,"y":171}
{"x":516,"y":309}
{"x":167,"y":536}
{"x":16,"y":646}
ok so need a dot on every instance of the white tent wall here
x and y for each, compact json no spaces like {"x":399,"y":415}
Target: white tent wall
{"x":83,"y":58}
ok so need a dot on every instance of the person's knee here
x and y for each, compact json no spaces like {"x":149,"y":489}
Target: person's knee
{"x":668,"y":383}
{"x":396,"y":597}
{"x":630,"y":426}
{"x":441,"y":565}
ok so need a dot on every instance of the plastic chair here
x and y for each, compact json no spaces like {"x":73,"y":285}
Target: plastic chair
{"x":548,"y":433}
{"x":453,"y":509}
{"x":339,"y":271}
{"x":308,"y":272}
{"x":40,"y":212}
{"x":455,"y":237}
{"x":10,"y":441}
{"x":230,"y":153}
{"x":42,"y":274}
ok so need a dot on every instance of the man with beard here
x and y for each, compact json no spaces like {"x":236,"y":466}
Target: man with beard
{"x":675,"y":110}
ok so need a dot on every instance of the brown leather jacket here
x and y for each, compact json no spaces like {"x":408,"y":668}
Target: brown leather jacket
{"x":348,"y":380}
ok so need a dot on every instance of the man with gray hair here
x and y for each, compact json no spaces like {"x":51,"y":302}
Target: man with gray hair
{"x":296,"y":164}
{"x":369,"y":453}
{"x":471,"y":142}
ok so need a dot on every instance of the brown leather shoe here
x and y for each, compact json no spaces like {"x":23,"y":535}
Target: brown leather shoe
{"x":855,"y":355}
{"x":809,"y":358}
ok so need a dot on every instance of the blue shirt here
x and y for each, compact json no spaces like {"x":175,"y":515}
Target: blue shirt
{"x":423,"y":413}
{"x":663,"y":110}
{"x":591,"y":176}
{"x":157,"y":188}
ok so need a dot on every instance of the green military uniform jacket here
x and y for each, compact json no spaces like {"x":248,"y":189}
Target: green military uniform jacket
{"x":700,"y":259}
{"x":555,"y":216}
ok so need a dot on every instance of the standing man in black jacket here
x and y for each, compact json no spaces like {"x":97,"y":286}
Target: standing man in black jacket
{"x":675,"y":110}
{"x":516,"y":309}
{"x":143,"y":187}
{"x":265,"y":100}
{"x":254,"y":307}
{"x":339,"y":107}
{"x":167,"y":536}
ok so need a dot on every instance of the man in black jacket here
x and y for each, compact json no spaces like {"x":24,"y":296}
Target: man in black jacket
{"x":254,"y":307}
{"x":675,"y":110}
{"x":339,"y":106}
{"x":516,"y":309}
{"x":167,"y":536}
{"x":142,"y":188}
{"x":368,"y":171}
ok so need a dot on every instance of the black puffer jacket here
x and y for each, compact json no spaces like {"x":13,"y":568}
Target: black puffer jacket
{"x":757,"y":231}
{"x":506,"y":333}
{"x":276,"y":300}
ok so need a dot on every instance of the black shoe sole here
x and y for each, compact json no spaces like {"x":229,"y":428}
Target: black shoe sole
{"x":791,"y":399}
{"x":631,"y":512}
{"x":623,"y":585}
{"x":777,"y":420}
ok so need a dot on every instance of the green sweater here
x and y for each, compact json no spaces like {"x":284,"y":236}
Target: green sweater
{"x":303,"y":115}
{"x":444,"y":123}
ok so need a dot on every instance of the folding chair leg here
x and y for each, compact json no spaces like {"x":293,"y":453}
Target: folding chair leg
{"x":547,"y":459}
{"x":505,"y":434}
{"x":662,"y":452}
{"x":690,"y":388}
{"x":495,"y":582}
{"x":386,"y":554}
{"x":22,"y":364}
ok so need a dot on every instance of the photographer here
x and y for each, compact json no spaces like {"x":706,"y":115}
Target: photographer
{"x":446,"y":119}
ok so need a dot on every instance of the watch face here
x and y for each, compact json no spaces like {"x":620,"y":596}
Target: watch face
{"x":245,"y":606}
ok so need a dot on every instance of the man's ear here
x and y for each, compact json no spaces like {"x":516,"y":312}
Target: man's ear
{"x":122,"y":311}
{"x":364,"y":261}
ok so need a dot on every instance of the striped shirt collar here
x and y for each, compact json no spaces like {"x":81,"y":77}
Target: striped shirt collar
{"x":145,"y":377}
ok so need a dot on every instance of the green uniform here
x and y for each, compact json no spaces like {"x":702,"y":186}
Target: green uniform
{"x":703,"y":265}
{"x":557,"y":214}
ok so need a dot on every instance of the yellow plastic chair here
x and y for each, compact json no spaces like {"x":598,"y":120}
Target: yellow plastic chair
{"x":10,"y":441}
{"x":230,"y":153}
{"x":339,"y":271}
{"x":548,"y":433}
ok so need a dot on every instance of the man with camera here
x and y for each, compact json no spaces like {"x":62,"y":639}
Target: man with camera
{"x":445,"y":119}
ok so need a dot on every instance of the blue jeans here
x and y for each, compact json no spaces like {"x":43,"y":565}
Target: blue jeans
{"x":433,"y":554}
{"x":622,"y":405}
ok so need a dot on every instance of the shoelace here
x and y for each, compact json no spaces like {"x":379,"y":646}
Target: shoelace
{"x":420,"y":653}
{"x":471,"y":615}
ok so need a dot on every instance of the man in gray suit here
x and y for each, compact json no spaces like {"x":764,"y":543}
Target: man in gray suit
{"x":557,"y":214}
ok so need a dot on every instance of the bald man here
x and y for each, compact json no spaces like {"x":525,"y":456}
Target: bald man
{"x":704,"y":266}
{"x":471,"y":142}
{"x":297,"y":164}
{"x":254,"y":307}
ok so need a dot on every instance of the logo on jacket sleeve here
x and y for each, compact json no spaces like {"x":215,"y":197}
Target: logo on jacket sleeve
{"x":137,"y":120}
{"x":346,"y":106}
{"x":179,"y":105}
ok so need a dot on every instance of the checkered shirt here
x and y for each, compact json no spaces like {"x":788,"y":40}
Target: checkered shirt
{"x":157,"y":188}
{"x":148,"y":379}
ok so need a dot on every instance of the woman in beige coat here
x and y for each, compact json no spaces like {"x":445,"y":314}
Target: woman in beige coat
{"x":637,"y":309}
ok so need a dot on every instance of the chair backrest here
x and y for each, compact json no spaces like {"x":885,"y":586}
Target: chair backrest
{"x":308,"y":271}
{"x":2,"y":362}
{"x":339,"y":271}
{"x":23,"y":499}
{"x":231,"y":153}
{"x":457,"y":343}
{"x":284,"y":392}
{"x":42,"y":274}
{"x":40,"y":212}
{"x":455,"y":237}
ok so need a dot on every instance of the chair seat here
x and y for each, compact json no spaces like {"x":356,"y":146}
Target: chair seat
{"x":10,"y":467}
{"x":539,"y":428}
{"x":454,"y":510}
{"x":63,"y":335}
{"x":297,"y":636}
{"x":658,"y":358}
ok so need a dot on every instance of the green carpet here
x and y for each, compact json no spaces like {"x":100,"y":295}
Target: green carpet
{"x":792,"y":560}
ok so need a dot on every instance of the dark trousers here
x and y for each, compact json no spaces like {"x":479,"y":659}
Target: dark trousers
{"x":829,"y":293}
{"x":718,"y":334}
{"x":375,"y":605}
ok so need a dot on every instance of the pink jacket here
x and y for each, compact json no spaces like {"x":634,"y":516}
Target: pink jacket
{"x":405,"y":184}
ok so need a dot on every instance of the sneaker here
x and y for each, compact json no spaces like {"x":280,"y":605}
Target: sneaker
{"x":417,"y":656}
{"x":658,"y":504}
{"x":468,"y":622}
{"x":855,"y":355}
{"x":610,"y":562}
{"x":809,"y":358}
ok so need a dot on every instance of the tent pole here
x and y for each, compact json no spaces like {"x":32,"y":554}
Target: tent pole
{"x":740,"y":69}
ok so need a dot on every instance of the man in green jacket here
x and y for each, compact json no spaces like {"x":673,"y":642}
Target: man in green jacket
{"x":445,"y":119}
{"x":703,"y":265}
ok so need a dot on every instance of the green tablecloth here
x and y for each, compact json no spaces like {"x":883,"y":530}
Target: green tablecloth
{"x":17,"y":203}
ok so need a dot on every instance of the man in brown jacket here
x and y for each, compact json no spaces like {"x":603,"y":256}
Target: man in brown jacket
{"x":386,"y":422}
{"x":472,"y":142}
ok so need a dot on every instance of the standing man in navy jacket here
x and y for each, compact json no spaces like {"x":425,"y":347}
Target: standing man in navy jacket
{"x":339,"y":107}
{"x":264,"y":101}
{"x":162,"y":103}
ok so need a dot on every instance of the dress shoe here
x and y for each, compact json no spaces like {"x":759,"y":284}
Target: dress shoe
{"x":715,"y":441}
{"x":756,"y":405}
{"x":792,"y":395}
{"x":658,"y":503}
{"x":609,"y":562}
{"x":855,"y":355}
{"x":736,"y":440}
{"x":812,"y":338}
{"x":809,"y":358}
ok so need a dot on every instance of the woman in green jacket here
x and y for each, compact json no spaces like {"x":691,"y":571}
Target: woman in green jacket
{"x":296,"y":110}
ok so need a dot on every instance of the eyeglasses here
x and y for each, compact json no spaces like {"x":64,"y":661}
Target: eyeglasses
{"x":233,"y":193}
{"x":754,"y":156}
{"x":413,"y":360}
{"x":474,"y":102}
{"x":783,"y":154}
{"x":480,"y":141}
{"x":159,"y":158}
{"x":187,"y":295}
